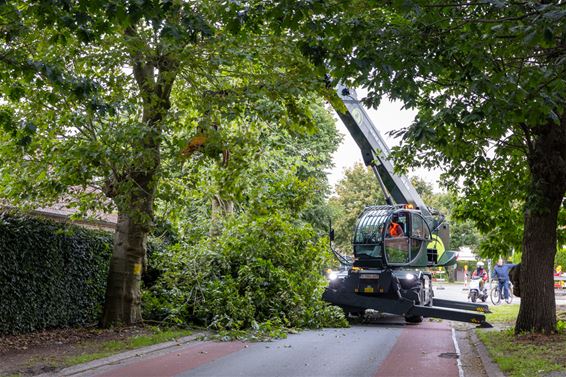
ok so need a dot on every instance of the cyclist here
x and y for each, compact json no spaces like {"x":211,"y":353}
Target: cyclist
{"x":501,"y":273}
{"x":480,"y":272}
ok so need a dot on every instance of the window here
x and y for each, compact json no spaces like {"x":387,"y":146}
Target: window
{"x":417,"y":230}
{"x":396,"y":243}
{"x":419,"y":234}
{"x":397,"y":250}
{"x":369,"y":233}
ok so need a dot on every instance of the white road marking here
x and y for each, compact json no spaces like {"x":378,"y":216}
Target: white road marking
{"x":459,"y":362}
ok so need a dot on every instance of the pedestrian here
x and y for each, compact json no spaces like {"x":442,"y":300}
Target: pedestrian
{"x":501,"y":273}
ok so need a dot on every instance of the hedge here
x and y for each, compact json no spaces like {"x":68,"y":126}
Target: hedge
{"x":51,"y":274}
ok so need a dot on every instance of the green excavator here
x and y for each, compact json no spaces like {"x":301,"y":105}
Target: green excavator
{"x":395,"y":244}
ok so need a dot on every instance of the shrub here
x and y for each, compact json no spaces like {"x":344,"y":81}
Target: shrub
{"x":51,"y":274}
{"x":260,"y":270}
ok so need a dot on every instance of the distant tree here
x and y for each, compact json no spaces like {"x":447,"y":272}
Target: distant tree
{"x":462,"y":232}
{"x":359,"y":188}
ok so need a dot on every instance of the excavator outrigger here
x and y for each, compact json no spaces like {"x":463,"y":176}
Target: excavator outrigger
{"x":387,"y":271}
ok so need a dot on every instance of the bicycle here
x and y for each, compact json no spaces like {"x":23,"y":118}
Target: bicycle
{"x":496,"y":293}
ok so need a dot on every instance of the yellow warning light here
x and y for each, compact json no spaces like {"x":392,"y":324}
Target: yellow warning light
{"x":409,"y":206}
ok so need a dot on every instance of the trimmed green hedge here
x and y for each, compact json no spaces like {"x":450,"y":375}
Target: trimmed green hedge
{"x":51,"y":274}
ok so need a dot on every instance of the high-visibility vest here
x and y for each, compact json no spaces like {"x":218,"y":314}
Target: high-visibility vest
{"x":395,"y":230}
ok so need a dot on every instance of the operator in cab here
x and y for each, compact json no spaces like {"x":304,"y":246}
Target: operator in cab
{"x":395,"y":229}
{"x":481,"y":273}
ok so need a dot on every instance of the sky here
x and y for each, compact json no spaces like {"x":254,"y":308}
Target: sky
{"x":388,"y":117}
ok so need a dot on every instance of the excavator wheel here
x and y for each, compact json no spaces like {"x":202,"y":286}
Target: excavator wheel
{"x":413,"y":318}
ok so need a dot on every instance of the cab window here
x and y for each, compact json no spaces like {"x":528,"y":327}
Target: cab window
{"x":419,"y":234}
{"x":396,"y":243}
{"x":419,"y":229}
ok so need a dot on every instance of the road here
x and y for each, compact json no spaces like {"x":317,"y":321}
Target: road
{"x":381,"y":346}
{"x":457,"y":292}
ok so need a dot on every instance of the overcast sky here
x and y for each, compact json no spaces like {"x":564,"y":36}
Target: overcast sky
{"x":389,"y":116}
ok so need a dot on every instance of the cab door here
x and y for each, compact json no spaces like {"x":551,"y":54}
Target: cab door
{"x":409,"y":248}
{"x":419,"y":238}
{"x":396,"y":246}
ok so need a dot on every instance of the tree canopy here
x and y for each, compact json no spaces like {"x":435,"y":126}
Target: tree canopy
{"x":487,"y":79}
{"x":93,"y":105}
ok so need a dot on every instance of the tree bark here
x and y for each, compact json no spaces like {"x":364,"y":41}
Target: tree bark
{"x":547,"y":163}
{"x":538,"y":307}
{"x":135,"y":189}
{"x":123,"y":301}
{"x":134,"y":199}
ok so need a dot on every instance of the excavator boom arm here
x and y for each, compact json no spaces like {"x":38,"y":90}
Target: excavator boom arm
{"x":375,"y":152}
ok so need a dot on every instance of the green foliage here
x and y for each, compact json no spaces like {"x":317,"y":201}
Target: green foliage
{"x":462,"y":232}
{"x":106,"y":95}
{"x":486,"y":79}
{"x":51,"y":274}
{"x":560,"y":258}
{"x":261,"y":270}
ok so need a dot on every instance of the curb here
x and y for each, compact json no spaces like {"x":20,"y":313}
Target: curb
{"x":491,"y":368}
{"x":123,"y":356}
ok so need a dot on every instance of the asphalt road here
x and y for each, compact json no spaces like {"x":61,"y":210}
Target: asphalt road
{"x":357,"y":351}
{"x":378,"y":346}
{"x":381,"y":347}
{"x":457,"y":292}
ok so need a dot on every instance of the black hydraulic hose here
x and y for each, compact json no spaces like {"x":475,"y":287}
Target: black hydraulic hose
{"x":341,"y":258}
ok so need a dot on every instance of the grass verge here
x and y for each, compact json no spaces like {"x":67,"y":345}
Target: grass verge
{"x":503,"y":314}
{"x":111,"y":347}
{"x":524,"y":355}
{"x":104,"y":345}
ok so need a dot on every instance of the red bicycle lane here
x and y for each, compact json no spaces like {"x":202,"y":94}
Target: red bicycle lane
{"x":177,"y":361}
{"x":427,"y":349}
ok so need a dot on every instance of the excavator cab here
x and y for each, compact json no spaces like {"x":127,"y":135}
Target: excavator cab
{"x":394,"y":236}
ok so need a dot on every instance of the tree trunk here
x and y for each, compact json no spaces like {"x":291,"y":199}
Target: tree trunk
{"x":135,"y":216}
{"x":123,"y":301}
{"x":538,"y":308}
{"x":135,"y":187}
{"x":547,"y":163}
